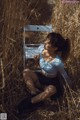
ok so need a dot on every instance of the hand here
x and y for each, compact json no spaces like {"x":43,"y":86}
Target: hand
{"x":36,"y":59}
{"x":37,"y":91}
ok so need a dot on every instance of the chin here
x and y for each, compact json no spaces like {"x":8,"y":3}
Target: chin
{"x":47,"y":48}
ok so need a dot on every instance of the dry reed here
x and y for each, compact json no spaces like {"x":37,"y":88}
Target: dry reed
{"x":65,"y":19}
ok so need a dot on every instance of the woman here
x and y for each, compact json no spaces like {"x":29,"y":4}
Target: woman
{"x":52,"y":54}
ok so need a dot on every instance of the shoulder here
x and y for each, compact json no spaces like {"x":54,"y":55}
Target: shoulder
{"x":59,"y":62}
{"x":41,"y":47}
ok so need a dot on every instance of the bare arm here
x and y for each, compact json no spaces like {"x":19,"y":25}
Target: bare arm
{"x":36,"y":59}
{"x":67,"y":79}
{"x":65,"y":75}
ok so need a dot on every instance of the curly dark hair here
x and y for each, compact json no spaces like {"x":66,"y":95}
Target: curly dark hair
{"x":62,"y":44}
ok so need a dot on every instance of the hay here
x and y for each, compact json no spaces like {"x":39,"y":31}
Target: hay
{"x":13,"y":16}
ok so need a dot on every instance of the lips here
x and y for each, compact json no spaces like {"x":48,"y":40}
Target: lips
{"x":46,"y":47}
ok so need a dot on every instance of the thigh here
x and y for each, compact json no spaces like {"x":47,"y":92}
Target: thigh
{"x":50,"y":90}
{"x":27,"y":73}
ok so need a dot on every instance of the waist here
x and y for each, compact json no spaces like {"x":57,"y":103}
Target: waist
{"x":48,"y":74}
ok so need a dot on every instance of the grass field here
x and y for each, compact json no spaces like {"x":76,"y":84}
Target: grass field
{"x":65,"y":19}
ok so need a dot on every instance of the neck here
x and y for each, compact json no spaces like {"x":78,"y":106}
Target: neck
{"x":53,"y":54}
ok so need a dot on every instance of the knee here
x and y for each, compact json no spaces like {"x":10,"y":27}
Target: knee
{"x":50,"y":90}
{"x":26,"y":70}
{"x":28,"y":82}
{"x":26,"y":73}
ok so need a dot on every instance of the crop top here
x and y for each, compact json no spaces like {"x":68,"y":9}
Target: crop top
{"x":52,"y":68}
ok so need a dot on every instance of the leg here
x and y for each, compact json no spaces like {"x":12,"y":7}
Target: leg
{"x":30,"y":79}
{"x":50,"y":90}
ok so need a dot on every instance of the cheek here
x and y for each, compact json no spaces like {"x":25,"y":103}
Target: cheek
{"x":48,"y":46}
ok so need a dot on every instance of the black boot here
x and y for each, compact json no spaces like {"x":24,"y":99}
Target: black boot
{"x":25,"y":105}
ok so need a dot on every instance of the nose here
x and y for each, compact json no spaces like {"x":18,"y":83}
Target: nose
{"x":47,"y":42}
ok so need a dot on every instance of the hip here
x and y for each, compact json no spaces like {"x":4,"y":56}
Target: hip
{"x":47,"y":80}
{"x":49,"y":74}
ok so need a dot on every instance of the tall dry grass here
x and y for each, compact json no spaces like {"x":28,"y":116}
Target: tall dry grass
{"x":65,"y":19}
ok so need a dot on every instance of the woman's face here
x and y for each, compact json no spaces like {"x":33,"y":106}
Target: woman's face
{"x":48,"y":46}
